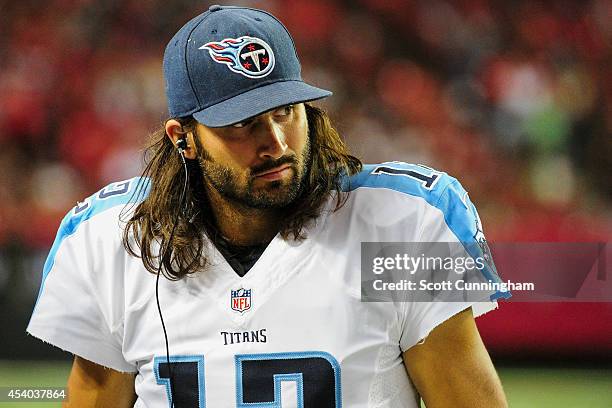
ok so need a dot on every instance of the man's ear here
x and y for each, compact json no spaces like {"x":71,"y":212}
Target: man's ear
{"x":174,"y":130}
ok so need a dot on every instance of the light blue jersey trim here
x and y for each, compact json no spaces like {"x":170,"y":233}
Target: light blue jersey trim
{"x":120,"y":193}
{"x":439,"y":190}
{"x":379,"y":176}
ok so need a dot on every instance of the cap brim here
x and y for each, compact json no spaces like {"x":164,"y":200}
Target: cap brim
{"x":257,"y":101}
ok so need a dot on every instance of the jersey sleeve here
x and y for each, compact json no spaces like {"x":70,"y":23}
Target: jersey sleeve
{"x":451,"y":217}
{"x":79,"y":305}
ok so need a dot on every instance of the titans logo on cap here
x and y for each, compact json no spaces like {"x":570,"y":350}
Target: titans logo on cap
{"x":248,"y":56}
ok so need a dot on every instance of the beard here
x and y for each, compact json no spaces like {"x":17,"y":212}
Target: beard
{"x":273,"y":194}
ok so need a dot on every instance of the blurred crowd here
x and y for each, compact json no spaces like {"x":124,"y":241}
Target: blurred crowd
{"x":512,"y":98}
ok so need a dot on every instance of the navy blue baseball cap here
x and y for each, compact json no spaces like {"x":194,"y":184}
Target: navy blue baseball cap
{"x":232,"y":63}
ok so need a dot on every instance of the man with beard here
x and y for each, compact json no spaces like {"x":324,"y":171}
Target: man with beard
{"x":252,"y":212}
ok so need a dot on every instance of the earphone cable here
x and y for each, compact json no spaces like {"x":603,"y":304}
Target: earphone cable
{"x":161,"y":262}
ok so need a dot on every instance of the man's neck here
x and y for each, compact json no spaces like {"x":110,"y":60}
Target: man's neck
{"x":242,"y":225}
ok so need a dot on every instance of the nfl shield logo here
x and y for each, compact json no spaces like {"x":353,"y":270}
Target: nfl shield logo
{"x":240,"y":300}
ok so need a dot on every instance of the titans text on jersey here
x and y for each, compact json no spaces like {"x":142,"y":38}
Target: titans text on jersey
{"x":251,"y":336}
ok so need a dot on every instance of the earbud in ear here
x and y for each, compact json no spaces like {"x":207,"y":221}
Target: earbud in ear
{"x":181,"y":144}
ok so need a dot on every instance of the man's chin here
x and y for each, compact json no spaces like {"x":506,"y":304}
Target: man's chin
{"x":275,"y":194}
{"x":271,"y":200}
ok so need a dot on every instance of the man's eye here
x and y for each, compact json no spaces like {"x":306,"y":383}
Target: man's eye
{"x":284,"y":110}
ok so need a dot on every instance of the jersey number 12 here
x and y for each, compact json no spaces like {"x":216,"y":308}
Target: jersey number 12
{"x":261,"y":380}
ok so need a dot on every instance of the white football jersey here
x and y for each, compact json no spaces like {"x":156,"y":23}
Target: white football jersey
{"x":293,"y":332}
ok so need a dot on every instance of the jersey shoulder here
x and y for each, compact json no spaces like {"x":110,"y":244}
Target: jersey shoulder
{"x":445,"y":212}
{"x":415,"y":180}
{"x":116,"y":194}
{"x":120,"y":193}
{"x":435,"y":192}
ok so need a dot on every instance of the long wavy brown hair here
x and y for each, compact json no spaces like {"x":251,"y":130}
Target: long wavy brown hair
{"x":148,"y":230}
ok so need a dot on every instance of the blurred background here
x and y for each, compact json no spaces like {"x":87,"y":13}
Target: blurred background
{"x":512,"y":98}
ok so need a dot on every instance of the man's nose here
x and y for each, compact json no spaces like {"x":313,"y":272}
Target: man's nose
{"x":271,"y":139}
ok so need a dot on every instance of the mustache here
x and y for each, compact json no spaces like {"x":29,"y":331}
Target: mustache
{"x":270,"y":164}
